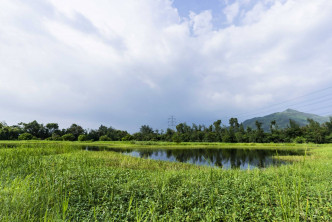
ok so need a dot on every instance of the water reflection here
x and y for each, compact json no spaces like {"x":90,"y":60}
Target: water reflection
{"x":223,"y":158}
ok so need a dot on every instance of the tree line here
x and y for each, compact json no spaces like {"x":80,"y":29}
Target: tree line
{"x":314,"y":132}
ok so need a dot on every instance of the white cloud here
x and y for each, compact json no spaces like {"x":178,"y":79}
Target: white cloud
{"x":201,"y":23}
{"x":231,"y":11}
{"x":128,"y":63}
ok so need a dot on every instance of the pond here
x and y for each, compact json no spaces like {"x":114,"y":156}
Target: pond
{"x":223,"y":158}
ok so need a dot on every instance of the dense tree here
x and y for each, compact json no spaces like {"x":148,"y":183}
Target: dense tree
{"x":146,"y":133}
{"x":25,"y":136}
{"x":275,"y":133}
{"x":259,"y":132}
{"x":314,"y":132}
{"x":104,"y":138}
{"x":68,"y":137}
{"x":75,"y":130}
{"x":292,"y":131}
{"x":9,"y":133}
{"x":35,"y":129}
{"x":82,"y":137}
{"x":52,"y":128}
{"x":216,"y":132}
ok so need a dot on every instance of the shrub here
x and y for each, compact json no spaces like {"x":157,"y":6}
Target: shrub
{"x":127,"y":138}
{"x":82,"y":137}
{"x":68,"y":137}
{"x":25,"y":136}
{"x":299,"y":139}
{"x":56,"y":137}
{"x":176,"y":138}
{"x":104,"y":138}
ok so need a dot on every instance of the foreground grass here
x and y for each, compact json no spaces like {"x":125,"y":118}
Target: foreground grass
{"x":57,"y":182}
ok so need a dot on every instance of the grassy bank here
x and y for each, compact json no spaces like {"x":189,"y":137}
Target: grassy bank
{"x":170,"y":145}
{"x":42,"y":181}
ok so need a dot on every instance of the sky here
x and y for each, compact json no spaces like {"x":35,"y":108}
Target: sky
{"x":137,"y":62}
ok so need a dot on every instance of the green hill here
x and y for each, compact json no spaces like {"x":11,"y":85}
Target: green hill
{"x":282,"y":119}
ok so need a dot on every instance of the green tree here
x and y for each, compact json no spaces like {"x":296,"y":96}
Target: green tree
{"x":82,"y":137}
{"x":104,"y":138}
{"x":68,"y":137}
{"x":25,"y":136}
{"x":52,"y":128}
{"x":314,"y":132}
{"x":9,"y":132}
{"x":292,"y":131}
{"x":218,"y":130}
{"x":147,"y":133}
{"x":35,"y":129}
{"x":127,"y":137}
{"x":75,"y":130}
{"x":176,"y":138}
{"x":260,"y":136}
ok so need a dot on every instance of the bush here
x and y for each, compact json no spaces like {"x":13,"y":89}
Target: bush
{"x":299,"y":139}
{"x":56,"y":137}
{"x":176,"y":138}
{"x":127,"y":138}
{"x":82,"y":137}
{"x":25,"y":136}
{"x":68,"y":137}
{"x":104,"y":138}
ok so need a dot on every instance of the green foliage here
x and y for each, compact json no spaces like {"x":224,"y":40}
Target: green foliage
{"x":75,"y":130}
{"x":56,"y":137}
{"x":25,"y":136}
{"x":282,"y":119}
{"x":82,"y":137}
{"x":52,"y":128}
{"x":9,"y":133}
{"x":68,"y":137}
{"x":127,"y":138}
{"x":58,"y":182}
{"x":313,"y":132}
{"x":176,"y":138}
{"x":328,"y":138}
{"x":300,"y":139}
{"x":104,"y":138}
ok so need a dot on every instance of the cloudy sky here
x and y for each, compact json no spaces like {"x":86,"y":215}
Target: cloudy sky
{"x":134,"y":62}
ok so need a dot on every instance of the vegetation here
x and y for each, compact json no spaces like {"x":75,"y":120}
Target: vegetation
{"x":282,"y":119}
{"x":234,"y":132}
{"x":25,"y":136}
{"x":55,"y":181}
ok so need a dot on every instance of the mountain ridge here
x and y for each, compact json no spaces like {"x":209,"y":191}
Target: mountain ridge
{"x":282,"y":119}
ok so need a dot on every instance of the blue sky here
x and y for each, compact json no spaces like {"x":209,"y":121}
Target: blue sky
{"x":129,"y":63}
{"x":184,"y":8}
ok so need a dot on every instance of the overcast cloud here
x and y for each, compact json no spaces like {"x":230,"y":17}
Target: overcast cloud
{"x":134,"y":62}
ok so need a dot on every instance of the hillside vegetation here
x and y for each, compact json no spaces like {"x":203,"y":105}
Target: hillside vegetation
{"x":282,"y":119}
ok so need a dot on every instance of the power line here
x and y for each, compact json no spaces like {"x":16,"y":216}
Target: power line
{"x":283,"y":102}
{"x":308,"y":99}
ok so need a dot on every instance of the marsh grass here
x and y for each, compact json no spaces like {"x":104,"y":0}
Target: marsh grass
{"x":58,"y":182}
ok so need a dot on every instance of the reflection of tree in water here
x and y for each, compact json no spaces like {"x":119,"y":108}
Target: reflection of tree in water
{"x":218,"y":157}
{"x":146,"y":153}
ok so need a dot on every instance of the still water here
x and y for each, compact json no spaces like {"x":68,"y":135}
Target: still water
{"x":223,"y":158}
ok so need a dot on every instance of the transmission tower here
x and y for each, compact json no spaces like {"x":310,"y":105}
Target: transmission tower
{"x":171,"y":122}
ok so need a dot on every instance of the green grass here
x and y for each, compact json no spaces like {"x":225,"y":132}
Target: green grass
{"x":170,"y":145}
{"x":43,"y":181}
